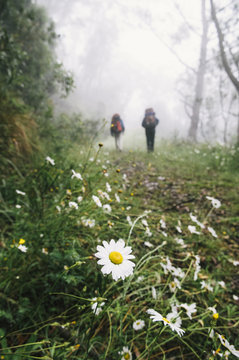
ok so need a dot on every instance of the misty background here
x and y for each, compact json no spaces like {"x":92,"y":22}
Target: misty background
{"x":126,"y":56}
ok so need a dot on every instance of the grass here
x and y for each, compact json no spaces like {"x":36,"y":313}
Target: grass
{"x":47,"y":292}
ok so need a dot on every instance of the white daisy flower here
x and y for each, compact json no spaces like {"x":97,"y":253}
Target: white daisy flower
{"x":117,"y":198}
{"x":197,"y":267}
{"x":97,"y":200}
{"x":73,"y":204}
{"x":163,"y":224}
{"x":107,"y":208}
{"x":173,"y":285}
{"x":235,"y":297}
{"x":193,"y":230}
{"x":180,"y":242}
{"x":234,"y":262}
{"x":108,"y":187}
{"x":88,"y":222}
{"x":97,"y":307}
{"x":222,"y":284}
{"x":58,"y":208}
{"x":211,"y":333}
{"x":215,"y":202}
{"x":114,"y":256}
{"x":217,"y":352}
{"x":19,"y":192}
{"x":214,"y":311}
{"x":147,"y":243}
{"x":126,"y":353}
{"x":174,"y":319}
{"x":18,"y":206}
{"x":79,"y":199}
{"x":194,"y":219}
{"x":212,"y":231}
{"x":138,"y":325}
{"x":45,"y":251}
{"x":177,"y":272}
{"x":206,"y":286}
{"x":178,"y":228}
{"x":190,"y":309}
{"x":231,"y":348}
{"x":50,"y":160}
{"x":110,"y":224}
{"x":76,"y":174}
{"x":167,"y":267}
{"x":155,"y":316}
{"x":128,"y":218}
{"x":23,"y":248}
{"x":100,"y":192}
{"x":148,"y":232}
{"x":144,"y":222}
{"x":106,"y":195}
{"x":154,"y":294}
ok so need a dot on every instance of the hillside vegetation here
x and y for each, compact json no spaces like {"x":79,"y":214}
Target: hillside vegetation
{"x":177,"y":212}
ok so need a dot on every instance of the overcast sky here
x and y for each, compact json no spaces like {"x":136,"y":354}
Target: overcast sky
{"x":118,"y":52}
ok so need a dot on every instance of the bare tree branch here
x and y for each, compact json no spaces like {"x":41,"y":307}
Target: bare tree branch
{"x":171,"y":50}
{"x":225,"y":63}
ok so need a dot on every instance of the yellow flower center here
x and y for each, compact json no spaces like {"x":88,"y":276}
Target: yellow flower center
{"x":21,"y":241}
{"x":218,"y":350}
{"x":127,"y":356}
{"x":173,"y":284}
{"x":116,"y":257}
{"x":215,"y":316}
{"x":166,"y":320}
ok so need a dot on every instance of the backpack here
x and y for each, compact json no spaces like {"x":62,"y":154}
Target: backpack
{"x":116,"y":126}
{"x":150,"y":120}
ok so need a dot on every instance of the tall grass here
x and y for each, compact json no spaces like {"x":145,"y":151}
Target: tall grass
{"x":55,"y":301}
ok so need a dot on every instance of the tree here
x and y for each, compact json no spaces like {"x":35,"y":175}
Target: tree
{"x":29,"y":41}
{"x":29,"y":74}
{"x":195,"y":116}
{"x":230,"y":65}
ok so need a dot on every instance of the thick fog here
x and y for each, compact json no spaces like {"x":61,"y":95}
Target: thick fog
{"x":127,"y":55}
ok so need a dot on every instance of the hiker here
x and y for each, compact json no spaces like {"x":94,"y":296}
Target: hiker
{"x":116,"y":129}
{"x":149,"y":123}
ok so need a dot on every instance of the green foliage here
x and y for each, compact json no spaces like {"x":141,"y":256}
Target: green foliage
{"x":29,"y":67}
{"x":29,"y":74}
{"x":47,"y":292}
{"x":18,"y":131}
{"x":67,"y":132}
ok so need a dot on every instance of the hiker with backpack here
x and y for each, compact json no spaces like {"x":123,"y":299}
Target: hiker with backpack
{"x":116,"y":129}
{"x":149,"y":123}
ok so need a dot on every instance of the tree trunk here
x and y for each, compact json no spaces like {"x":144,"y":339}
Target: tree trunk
{"x":225,"y":63}
{"x":238,"y":125}
{"x":195,"y":117}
